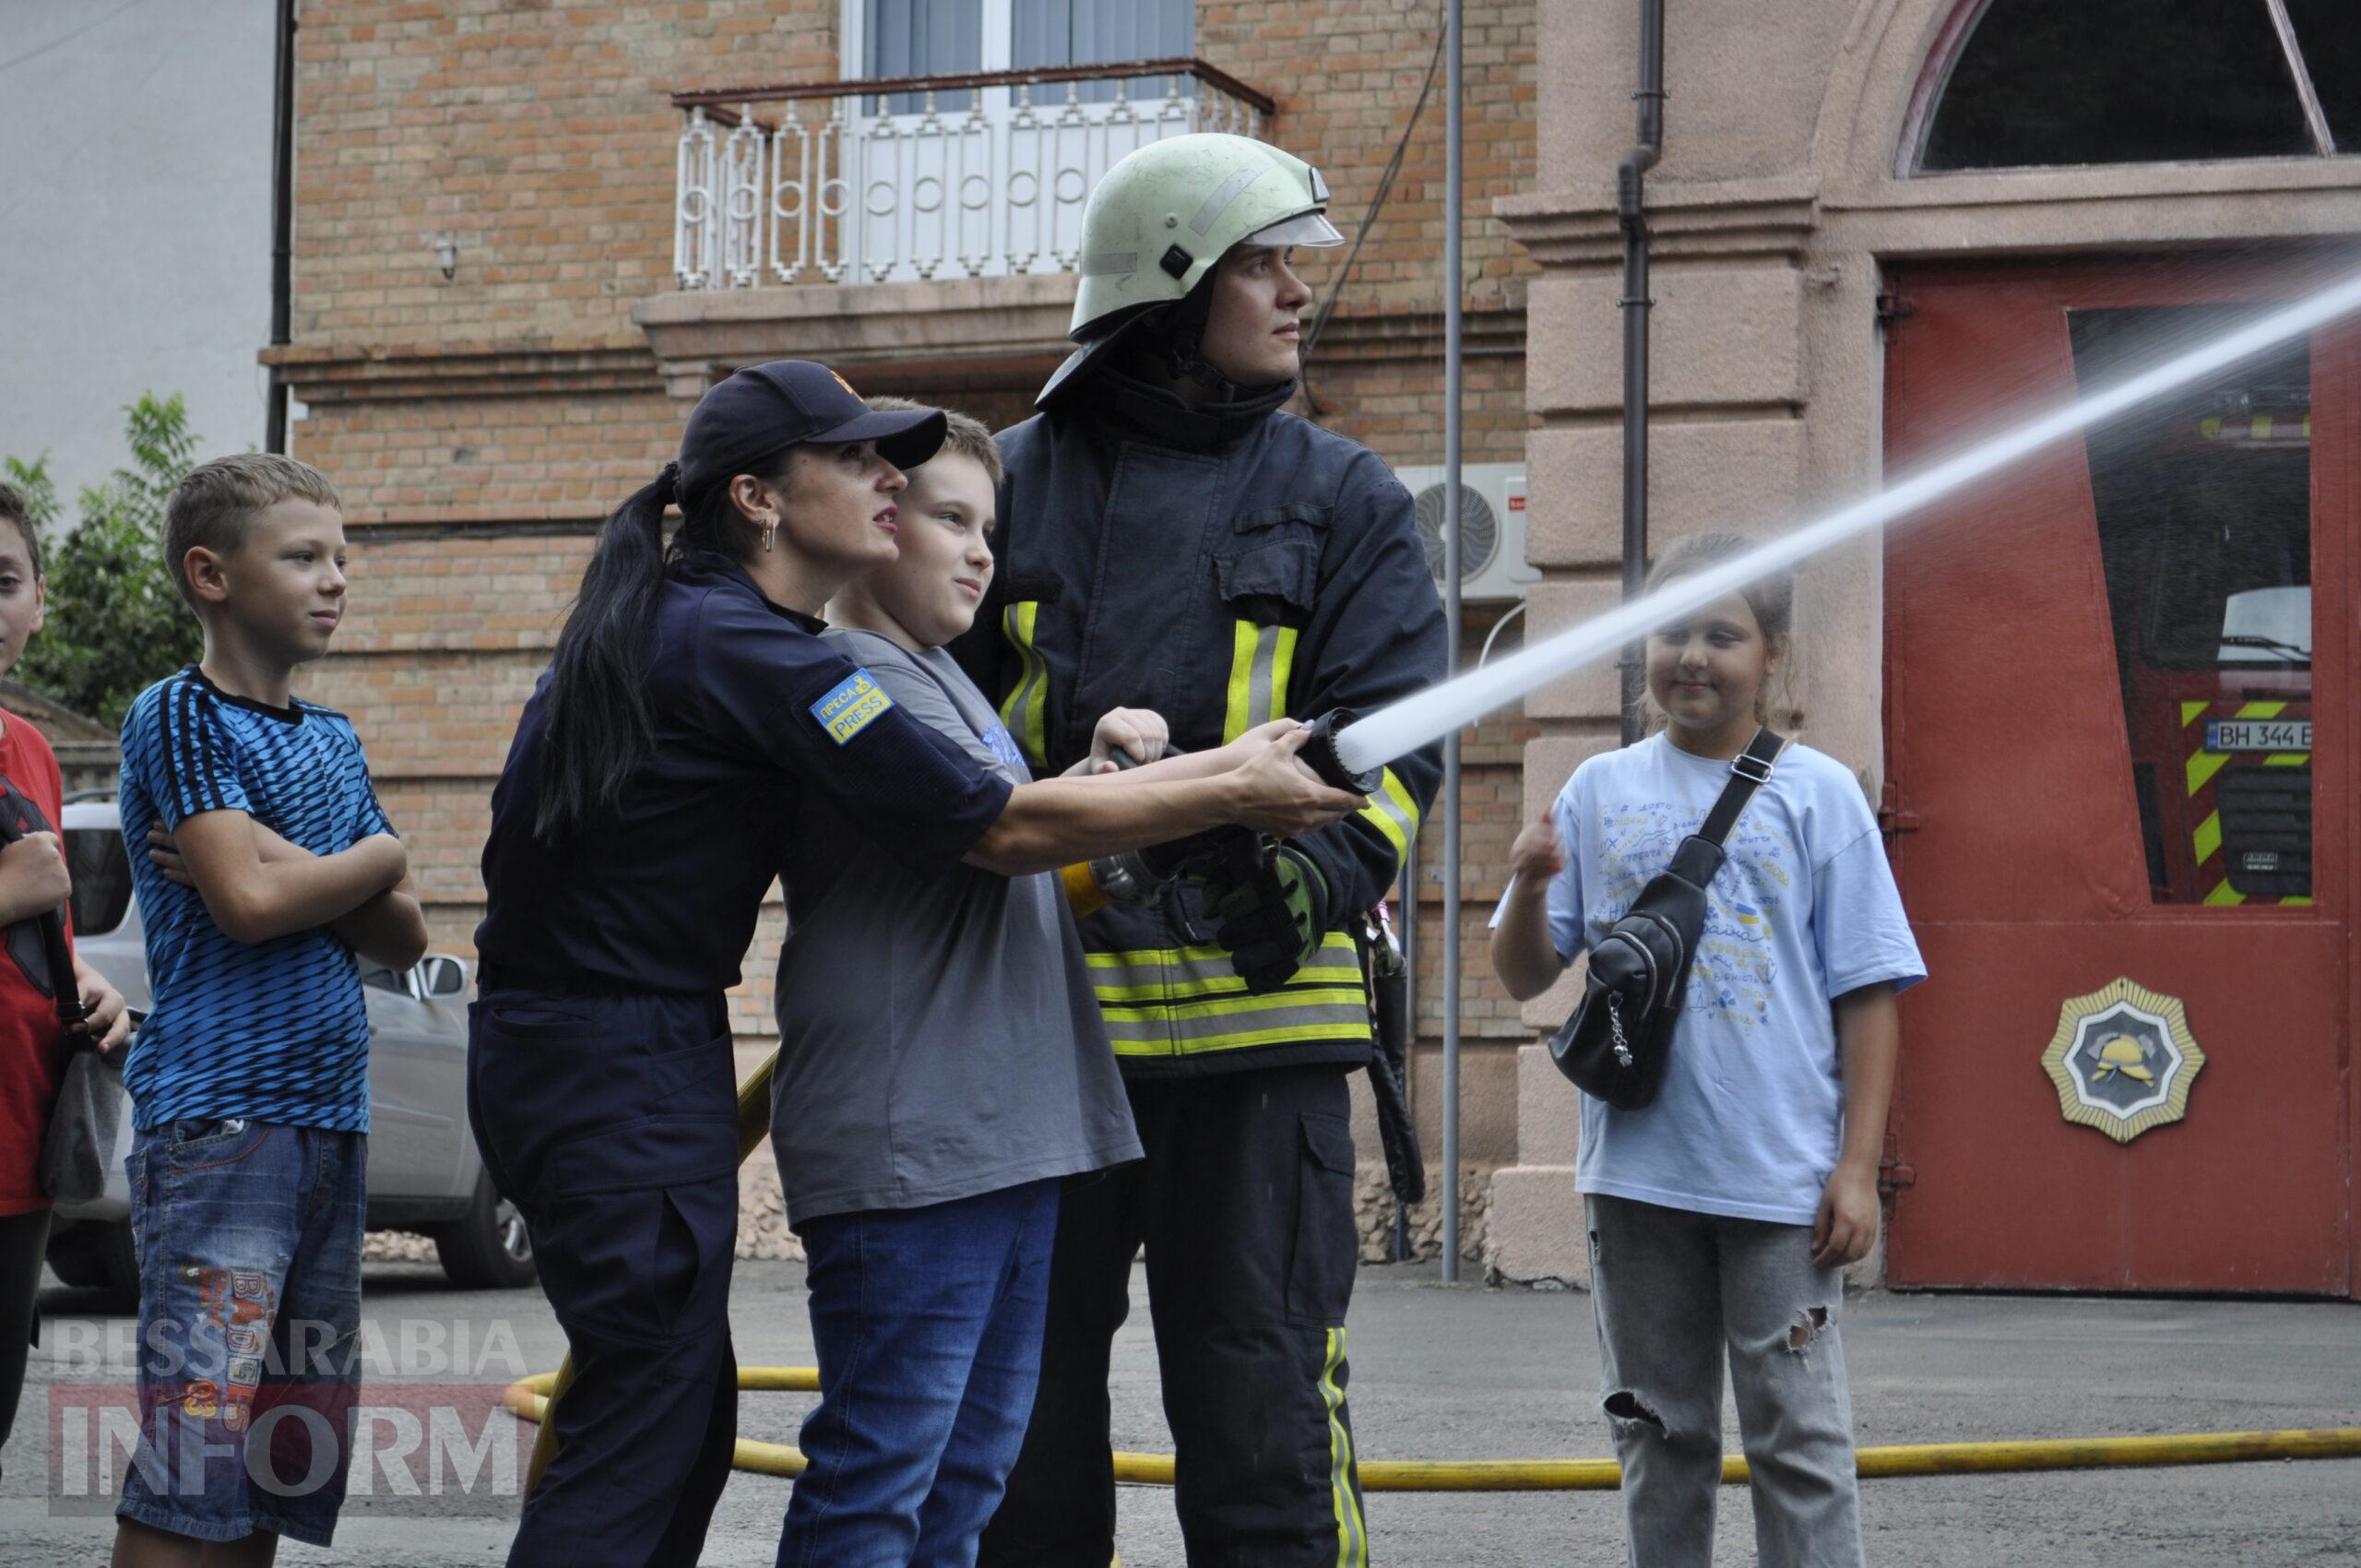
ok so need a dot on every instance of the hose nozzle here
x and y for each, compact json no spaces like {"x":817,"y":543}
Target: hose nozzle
{"x":1321,"y":755}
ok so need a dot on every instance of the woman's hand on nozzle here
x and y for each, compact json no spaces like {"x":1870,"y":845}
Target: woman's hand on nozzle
{"x":1140,"y":732}
{"x":1277,"y":795}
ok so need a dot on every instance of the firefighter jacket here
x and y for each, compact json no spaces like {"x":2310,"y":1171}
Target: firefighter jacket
{"x":1224,"y":566}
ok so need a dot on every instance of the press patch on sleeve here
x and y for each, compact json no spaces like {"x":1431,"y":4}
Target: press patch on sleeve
{"x":851,"y":708}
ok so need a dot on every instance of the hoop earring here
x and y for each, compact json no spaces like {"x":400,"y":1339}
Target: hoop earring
{"x":770,"y":531}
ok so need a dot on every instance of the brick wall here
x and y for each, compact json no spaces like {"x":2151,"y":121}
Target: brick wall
{"x":481,"y":426}
{"x":1346,"y":74}
{"x":537,"y":135}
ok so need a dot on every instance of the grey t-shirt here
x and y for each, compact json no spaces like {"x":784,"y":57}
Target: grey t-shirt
{"x":937,"y":1039}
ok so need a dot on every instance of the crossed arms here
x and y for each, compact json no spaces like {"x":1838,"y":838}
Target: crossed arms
{"x":256,"y":886}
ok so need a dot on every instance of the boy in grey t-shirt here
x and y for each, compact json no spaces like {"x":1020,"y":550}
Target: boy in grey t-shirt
{"x":941,"y":1066}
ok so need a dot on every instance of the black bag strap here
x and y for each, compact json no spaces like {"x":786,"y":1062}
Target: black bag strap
{"x":1749,"y":770}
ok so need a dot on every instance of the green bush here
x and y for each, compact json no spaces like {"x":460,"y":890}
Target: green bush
{"x":116,"y":623}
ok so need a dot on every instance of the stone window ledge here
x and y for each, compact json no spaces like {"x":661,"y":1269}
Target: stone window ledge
{"x":975,"y":330}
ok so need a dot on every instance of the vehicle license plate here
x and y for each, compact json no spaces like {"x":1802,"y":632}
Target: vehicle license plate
{"x":2259,"y":735}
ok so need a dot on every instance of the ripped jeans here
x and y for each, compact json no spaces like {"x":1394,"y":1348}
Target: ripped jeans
{"x":1672,"y":1288}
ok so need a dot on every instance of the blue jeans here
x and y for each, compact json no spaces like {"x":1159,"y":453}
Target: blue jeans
{"x":249,"y":1243}
{"x":928,"y":1322}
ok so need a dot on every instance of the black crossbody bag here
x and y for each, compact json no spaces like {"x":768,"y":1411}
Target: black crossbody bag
{"x":1614,"y":1046}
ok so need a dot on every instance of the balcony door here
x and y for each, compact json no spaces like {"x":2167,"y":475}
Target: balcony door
{"x":989,"y":182}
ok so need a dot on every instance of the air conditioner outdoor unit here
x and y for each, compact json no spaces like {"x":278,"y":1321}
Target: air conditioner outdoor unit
{"x":1491,"y":527}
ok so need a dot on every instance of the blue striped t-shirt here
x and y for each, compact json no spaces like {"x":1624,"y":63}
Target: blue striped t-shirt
{"x":278,"y":1030}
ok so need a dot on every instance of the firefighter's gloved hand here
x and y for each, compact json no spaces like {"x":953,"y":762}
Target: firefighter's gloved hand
{"x":1271,"y":919}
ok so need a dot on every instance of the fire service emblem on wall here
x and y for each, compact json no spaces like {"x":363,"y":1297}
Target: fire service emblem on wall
{"x":2123,"y":1059}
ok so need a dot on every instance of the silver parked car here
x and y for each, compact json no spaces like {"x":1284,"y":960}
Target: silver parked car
{"x":424,"y":1173}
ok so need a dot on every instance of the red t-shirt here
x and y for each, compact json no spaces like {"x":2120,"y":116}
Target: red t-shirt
{"x":33,"y":1042}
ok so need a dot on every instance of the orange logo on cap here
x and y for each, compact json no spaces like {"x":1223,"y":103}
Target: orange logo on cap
{"x":842,"y":383}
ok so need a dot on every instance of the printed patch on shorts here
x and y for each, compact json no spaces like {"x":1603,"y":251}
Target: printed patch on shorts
{"x":851,"y":708}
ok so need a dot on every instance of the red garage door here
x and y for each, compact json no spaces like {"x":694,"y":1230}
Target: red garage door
{"x":2120,"y":748}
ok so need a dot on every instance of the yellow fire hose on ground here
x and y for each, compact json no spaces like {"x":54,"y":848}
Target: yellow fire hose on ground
{"x":527,"y":1399}
{"x":533,"y":1398}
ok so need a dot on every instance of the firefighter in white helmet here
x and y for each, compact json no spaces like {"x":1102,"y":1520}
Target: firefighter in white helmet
{"x":1171,"y":539}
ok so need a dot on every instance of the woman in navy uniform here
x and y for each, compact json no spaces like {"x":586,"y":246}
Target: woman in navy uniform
{"x":639,"y":819}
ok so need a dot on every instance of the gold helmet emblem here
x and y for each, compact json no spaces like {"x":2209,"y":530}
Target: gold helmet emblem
{"x":2120,"y":1053}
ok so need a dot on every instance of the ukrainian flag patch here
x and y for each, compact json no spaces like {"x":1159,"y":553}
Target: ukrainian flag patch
{"x":851,"y":708}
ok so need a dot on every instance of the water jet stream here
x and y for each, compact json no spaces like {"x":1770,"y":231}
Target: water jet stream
{"x":1429,"y":715}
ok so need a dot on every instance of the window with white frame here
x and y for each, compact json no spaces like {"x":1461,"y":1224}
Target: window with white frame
{"x":917,"y":38}
{"x":992,"y":181}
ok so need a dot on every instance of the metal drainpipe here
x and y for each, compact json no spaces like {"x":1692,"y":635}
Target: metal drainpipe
{"x":1454,"y":191}
{"x":282,"y":224}
{"x":1630,"y":179}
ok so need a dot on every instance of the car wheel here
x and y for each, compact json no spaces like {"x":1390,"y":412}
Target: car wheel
{"x":488,"y":1250}
{"x":97,"y":1255}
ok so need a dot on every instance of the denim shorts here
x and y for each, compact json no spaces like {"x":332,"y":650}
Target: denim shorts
{"x":249,"y":1243}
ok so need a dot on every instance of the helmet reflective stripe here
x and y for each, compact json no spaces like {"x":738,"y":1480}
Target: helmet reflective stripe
{"x":1218,"y":203}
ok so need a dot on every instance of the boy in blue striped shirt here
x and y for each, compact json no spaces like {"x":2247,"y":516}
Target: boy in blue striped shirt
{"x":274,"y":866}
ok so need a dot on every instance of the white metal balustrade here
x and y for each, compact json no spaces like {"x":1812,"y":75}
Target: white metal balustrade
{"x":842,"y":186}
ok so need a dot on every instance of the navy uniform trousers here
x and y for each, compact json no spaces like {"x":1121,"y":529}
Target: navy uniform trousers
{"x":611,"y":1123}
{"x":1245,"y":1203}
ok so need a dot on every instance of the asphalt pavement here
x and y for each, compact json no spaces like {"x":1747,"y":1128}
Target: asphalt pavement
{"x":1437,"y":1372}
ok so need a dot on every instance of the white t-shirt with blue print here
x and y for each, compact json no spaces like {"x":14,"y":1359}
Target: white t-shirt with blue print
{"x":1750,"y":1117}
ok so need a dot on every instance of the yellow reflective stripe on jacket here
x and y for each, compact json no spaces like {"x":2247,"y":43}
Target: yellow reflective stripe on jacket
{"x":1274,"y":1019}
{"x":1179,"y":974}
{"x":1393,"y":811}
{"x":1026,"y":710}
{"x":1188,"y":1001}
{"x":1261,"y":659}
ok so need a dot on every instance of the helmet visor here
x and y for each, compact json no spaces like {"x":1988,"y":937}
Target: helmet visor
{"x":1307,"y":229}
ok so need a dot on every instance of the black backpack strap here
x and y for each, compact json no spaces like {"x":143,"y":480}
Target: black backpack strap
{"x":1749,"y":770}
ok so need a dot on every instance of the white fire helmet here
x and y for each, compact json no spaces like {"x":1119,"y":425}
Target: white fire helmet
{"x":1167,"y":212}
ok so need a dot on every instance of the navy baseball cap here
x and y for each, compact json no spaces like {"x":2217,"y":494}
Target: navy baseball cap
{"x":768,"y":408}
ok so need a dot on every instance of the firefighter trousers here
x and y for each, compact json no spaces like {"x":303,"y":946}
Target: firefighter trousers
{"x":1245,"y":1205}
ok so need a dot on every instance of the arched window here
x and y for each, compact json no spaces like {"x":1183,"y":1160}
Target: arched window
{"x":2025,"y":83}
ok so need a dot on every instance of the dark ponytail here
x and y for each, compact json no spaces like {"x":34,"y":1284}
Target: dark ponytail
{"x":598,"y":729}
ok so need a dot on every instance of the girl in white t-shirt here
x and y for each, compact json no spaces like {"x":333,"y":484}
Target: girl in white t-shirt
{"x":1722,"y":1214}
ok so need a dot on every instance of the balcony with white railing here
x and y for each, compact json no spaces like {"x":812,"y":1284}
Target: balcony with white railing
{"x":922,"y":179}
{"x":925,"y":227}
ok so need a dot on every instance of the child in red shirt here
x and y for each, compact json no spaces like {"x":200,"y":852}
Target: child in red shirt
{"x":33,"y":1045}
